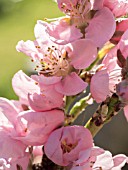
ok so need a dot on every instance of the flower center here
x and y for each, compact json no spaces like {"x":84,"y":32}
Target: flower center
{"x":54,"y":63}
{"x":67,"y":147}
{"x":76,"y":9}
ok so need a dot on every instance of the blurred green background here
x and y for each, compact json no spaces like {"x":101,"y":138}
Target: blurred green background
{"x":17,"y":21}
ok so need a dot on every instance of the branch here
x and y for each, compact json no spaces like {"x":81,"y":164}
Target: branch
{"x":104,"y":114}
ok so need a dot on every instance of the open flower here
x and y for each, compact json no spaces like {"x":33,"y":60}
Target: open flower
{"x":62,"y":61}
{"x":112,"y":71}
{"x":99,"y":159}
{"x":35,"y":127}
{"x":65,"y":144}
{"x":25,"y":128}
{"x":9,"y":147}
{"x":38,"y":92}
{"x":118,"y":7}
{"x":81,"y":22}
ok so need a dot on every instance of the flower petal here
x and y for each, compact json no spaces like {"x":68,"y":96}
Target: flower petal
{"x":71,"y":85}
{"x":99,"y":86}
{"x":8,"y":109}
{"x":39,"y":125}
{"x":22,"y":85}
{"x":42,"y":80}
{"x":47,"y":100}
{"x":126,"y":112}
{"x":27,"y":48}
{"x":83,"y":53}
{"x":99,"y":30}
{"x":119,"y":161}
{"x":10,"y":147}
{"x":123,"y":44}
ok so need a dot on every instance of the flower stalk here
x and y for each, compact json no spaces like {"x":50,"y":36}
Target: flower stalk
{"x":109,"y":108}
{"x":76,"y":110}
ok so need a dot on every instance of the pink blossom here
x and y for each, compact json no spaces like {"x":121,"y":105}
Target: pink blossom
{"x":56,"y":58}
{"x":103,"y":82}
{"x":82,"y":26}
{"x":121,"y":27}
{"x":24,"y":85}
{"x":99,"y":159}
{"x":97,"y":4}
{"x":21,"y":161}
{"x":126,"y":112}
{"x":118,"y":7}
{"x":119,"y":161}
{"x":99,"y":86}
{"x":112,"y":73}
{"x":64,"y":62}
{"x":74,"y":8}
{"x":29,"y":127}
{"x":65,"y":144}
{"x":123,"y":44}
{"x":61,"y":31}
{"x":98,"y":26}
{"x":11,"y":164}
{"x":35,"y":127}
{"x":9,"y":147}
{"x":38,"y":91}
{"x":107,"y":162}
{"x":110,"y":62}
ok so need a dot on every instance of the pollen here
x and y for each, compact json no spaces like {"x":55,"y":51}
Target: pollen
{"x":54,"y":63}
{"x":67,"y":147}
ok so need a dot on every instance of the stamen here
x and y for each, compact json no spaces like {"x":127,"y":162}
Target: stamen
{"x":53,"y":63}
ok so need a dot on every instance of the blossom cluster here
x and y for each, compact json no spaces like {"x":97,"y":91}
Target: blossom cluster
{"x":36,"y":131}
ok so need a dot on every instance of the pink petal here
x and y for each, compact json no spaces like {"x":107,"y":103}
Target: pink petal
{"x":40,"y":31}
{"x":97,"y":4}
{"x":22,"y":85}
{"x":126,"y":112}
{"x":42,"y":80}
{"x":83,"y":53}
{"x":9,"y":110}
{"x":39,"y":125}
{"x":47,"y":100}
{"x":22,"y":161}
{"x":119,"y":161}
{"x":70,"y":135}
{"x":71,"y":85}
{"x":99,"y":86}
{"x":100,"y":31}
{"x":10,"y":147}
{"x":121,"y":27}
{"x":54,"y":153}
{"x":110,"y":60}
{"x":18,"y":105}
{"x":27,"y":48}
{"x":104,"y":160}
{"x":83,"y":156}
{"x":61,"y":32}
{"x":68,"y":3}
{"x":118,"y":7}
{"x":123,"y":44}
